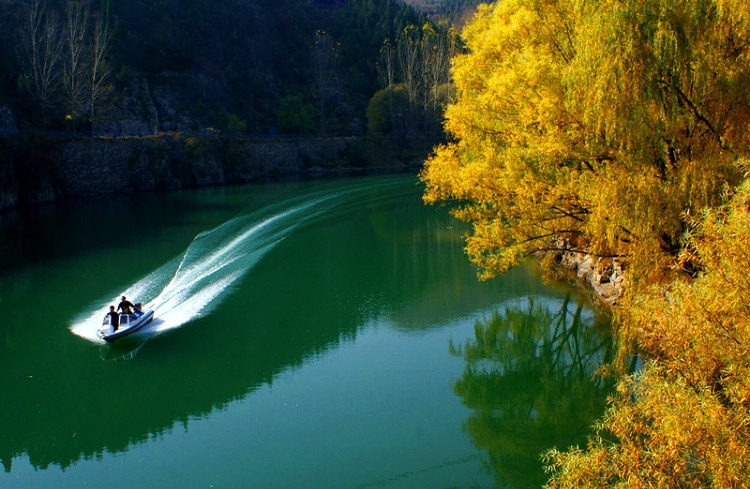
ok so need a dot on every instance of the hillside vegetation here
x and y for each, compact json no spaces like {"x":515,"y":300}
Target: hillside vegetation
{"x":620,"y":129}
{"x":455,"y":12}
{"x":232,"y":66}
{"x":376,"y":71}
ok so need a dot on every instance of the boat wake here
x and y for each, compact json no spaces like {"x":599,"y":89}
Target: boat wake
{"x":191,"y":285}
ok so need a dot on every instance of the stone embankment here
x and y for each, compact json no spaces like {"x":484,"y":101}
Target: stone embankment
{"x":604,"y":276}
{"x":103,"y":165}
{"x":56,"y":169}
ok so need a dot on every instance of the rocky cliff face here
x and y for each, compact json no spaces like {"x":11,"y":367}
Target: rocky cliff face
{"x":104,"y":165}
{"x":157,"y":104}
{"x":39,"y":172}
{"x":40,"y":168}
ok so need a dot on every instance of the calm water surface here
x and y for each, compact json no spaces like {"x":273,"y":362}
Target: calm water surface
{"x":326,"y":334}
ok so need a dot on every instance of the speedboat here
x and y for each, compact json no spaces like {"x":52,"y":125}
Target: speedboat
{"x":129,"y":324}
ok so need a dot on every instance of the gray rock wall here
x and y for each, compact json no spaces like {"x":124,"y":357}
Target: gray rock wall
{"x":104,"y":165}
{"x":44,"y":169}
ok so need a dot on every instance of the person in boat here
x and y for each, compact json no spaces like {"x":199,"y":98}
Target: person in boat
{"x":114,"y":318}
{"x":126,"y":306}
{"x":138,"y":309}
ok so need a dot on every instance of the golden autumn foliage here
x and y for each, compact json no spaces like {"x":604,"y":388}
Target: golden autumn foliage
{"x":622,"y":128}
{"x":659,"y":434}
{"x":600,"y":123}
{"x":684,"y":419}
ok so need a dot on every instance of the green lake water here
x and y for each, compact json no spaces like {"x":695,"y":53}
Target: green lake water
{"x":310,"y":334}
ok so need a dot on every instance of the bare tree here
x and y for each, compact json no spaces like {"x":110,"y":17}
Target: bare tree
{"x":76,"y":52}
{"x":438,"y":45}
{"x":99,"y":70}
{"x":41,"y":44}
{"x":408,"y":60}
{"x":429,"y":63}
{"x":387,"y":71}
{"x":325,"y":51}
{"x":387,"y":65}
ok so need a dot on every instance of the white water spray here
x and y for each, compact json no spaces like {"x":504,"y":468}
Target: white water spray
{"x":191,"y":285}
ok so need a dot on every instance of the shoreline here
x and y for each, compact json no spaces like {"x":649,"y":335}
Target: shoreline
{"x":38,"y":169}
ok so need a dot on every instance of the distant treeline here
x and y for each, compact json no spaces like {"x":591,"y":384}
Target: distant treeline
{"x":237,"y":66}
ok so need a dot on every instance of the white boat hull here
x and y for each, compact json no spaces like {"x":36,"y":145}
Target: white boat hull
{"x":129,"y":324}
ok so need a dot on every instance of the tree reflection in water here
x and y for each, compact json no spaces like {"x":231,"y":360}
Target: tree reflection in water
{"x":531,"y":381}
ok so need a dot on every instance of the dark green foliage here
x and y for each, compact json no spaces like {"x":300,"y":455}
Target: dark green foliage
{"x":214,"y":58}
{"x":295,"y":116}
{"x":447,"y":12}
{"x":387,"y":112}
{"x":235,"y":125}
{"x":361,"y":27}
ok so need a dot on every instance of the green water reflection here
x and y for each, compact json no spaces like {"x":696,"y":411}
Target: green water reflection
{"x":531,"y":383}
{"x":326,"y":365}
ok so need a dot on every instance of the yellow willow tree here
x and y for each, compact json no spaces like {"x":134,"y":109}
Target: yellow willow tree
{"x":621,"y":127}
{"x":593,"y":125}
{"x":684,"y":419}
